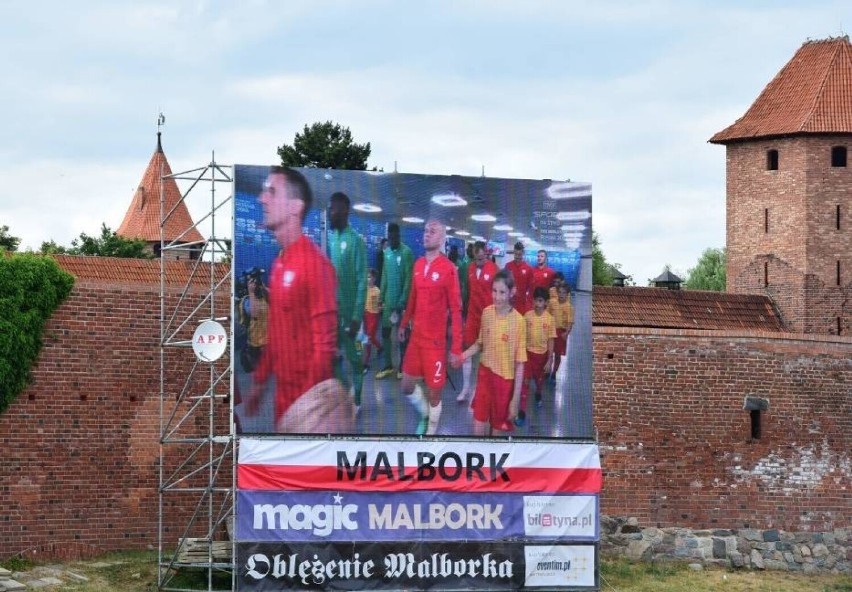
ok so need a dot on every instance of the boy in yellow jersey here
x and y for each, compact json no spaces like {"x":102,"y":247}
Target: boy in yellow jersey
{"x":503,"y":343}
{"x":541,"y":333}
{"x":563,"y":314}
{"x":372,"y":314}
{"x":558,"y":280}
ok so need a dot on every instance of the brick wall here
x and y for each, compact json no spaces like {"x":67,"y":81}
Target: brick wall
{"x":677,"y":446}
{"x":79,"y":471}
{"x":782,"y":227}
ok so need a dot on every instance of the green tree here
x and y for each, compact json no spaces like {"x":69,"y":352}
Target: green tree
{"x":108,"y":244}
{"x":325,"y":145}
{"x":709,"y":272}
{"x":51,"y":248}
{"x":601,"y":270}
{"x":7,"y":241}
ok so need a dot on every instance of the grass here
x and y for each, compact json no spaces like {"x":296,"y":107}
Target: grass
{"x":619,"y":575}
{"x":136,"y":571}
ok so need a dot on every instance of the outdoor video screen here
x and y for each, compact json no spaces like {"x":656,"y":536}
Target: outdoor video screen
{"x":394,"y":304}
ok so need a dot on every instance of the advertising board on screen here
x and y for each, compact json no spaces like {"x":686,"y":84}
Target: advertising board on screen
{"x":358,"y":296}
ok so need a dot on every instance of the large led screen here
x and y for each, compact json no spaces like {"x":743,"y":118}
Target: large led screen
{"x":388,"y":304}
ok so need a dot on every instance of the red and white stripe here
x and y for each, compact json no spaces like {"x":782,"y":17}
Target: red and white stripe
{"x":531,"y":467}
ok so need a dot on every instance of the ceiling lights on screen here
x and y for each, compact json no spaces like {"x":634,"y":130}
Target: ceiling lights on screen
{"x":573,"y":216}
{"x":503,"y":227}
{"x":449,"y":200}
{"x":483,"y":218}
{"x":462,"y":233}
{"x":516,"y":233}
{"x":569,"y":190}
{"x":367,"y":208}
{"x":413,"y":220}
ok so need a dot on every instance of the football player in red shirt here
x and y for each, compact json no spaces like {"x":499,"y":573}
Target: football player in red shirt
{"x":522,"y":272}
{"x":480,"y":277}
{"x":542,"y":274}
{"x":435,"y":296}
{"x":302,"y":306}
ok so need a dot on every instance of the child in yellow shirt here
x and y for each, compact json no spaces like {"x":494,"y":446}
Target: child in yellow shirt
{"x":372,"y":313}
{"x":502,"y":341}
{"x":563,"y":314}
{"x":541,"y":333}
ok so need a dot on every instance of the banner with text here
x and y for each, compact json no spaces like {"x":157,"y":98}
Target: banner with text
{"x":420,"y":566}
{"x":393,"y":466}
{"x":314,"y":516}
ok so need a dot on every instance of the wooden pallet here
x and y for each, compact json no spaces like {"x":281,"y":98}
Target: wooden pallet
{"x":196,"y":550}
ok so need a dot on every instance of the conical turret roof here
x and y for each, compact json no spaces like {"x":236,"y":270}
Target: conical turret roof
{"x":142,"y":219}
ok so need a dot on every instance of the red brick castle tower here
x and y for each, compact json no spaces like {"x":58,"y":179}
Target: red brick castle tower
{"x":789,"y":191}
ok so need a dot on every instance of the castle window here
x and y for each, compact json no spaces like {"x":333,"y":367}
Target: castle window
{"x":765,"y":274}
{"x":755,"y":406}
{"x":838,"y":272}
{"x":838,"y":156}
{"x":755,"y":424}
{"x":771,"y":160}
{"x":766,"y":220}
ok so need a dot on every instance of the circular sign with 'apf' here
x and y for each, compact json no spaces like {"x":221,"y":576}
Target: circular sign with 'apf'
{"x":210,"y":341}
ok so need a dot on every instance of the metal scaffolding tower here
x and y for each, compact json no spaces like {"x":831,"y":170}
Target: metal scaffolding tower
{"x":196,"y":460}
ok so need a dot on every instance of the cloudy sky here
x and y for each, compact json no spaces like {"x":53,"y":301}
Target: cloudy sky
{"x":623,"y":94}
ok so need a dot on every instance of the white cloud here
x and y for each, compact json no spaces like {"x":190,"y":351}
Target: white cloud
{"x":57,"y":200}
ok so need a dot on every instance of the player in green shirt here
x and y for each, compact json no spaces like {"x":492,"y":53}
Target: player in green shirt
{"x":395,"y":286}
{"x":349,"y":256}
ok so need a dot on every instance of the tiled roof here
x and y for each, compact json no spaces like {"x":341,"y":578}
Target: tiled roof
{"x":682,"y":309}
{"x":619,"y":307}
{"x":812,"y":94}
{"x":142,"y":219}
{"x":113,"y":270}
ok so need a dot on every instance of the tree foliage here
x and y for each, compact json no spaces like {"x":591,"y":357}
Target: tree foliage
{"x":709,"y":272}
{"x":601,"y":269}
{"x":107,"y":244}
{"x":325,"y":145}
{"x":31,"y":288}
{"x":7,"y":241}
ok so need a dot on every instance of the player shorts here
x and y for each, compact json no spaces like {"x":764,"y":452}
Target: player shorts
{"x":534,"y":368}
{"x":426,"y":363}
{"x":371,"y":325}
{"x":560,"y":344}
{"x":491,"y":400}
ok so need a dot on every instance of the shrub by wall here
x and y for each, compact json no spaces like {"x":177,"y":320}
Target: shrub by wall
{"x":31,"y":287}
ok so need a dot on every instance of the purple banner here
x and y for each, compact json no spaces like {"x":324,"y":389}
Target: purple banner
{"x":304,"y":516}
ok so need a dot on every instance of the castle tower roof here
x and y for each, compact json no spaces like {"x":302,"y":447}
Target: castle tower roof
{"x":812,"y":94}
{"x":142,"y":219}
